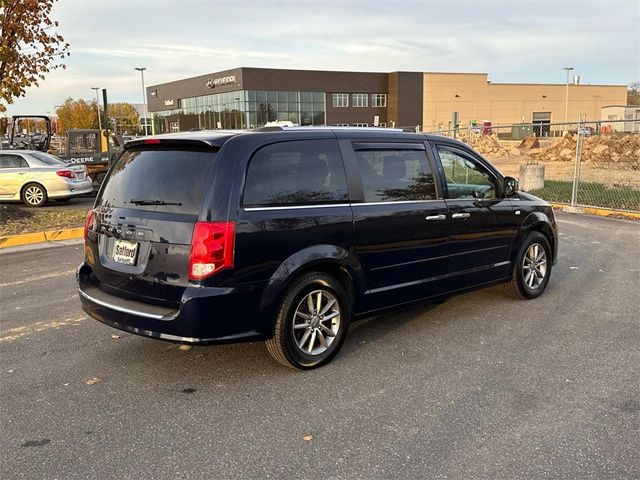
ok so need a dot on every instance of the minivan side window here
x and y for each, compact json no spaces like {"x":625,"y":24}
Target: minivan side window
{"x":391,"y":175}
{"x":466,"y":178}
{"x":296,"y":173}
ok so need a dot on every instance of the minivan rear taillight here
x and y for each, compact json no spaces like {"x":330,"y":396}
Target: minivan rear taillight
{"x":89,"y":222}
{"x":211,"y":248}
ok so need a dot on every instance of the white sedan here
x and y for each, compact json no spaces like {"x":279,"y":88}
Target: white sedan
{"x":34,"y":177}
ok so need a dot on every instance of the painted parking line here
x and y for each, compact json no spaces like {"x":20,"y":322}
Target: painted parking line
{"x":18,"y":332}
{"x":41,"y":277}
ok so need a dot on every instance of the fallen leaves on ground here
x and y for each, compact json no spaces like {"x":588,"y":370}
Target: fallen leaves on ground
{"x":93,"y":381}
{"x":16,"y":219}
{"x":307,"y":438}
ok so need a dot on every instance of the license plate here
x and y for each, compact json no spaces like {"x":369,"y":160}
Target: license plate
{"x":125,"y":252}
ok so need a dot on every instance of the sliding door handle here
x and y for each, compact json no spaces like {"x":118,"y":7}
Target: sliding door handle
{"x":436,"y":218}
{"x":461,"y":215}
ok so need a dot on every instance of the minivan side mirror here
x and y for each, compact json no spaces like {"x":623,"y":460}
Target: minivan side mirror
{"x":510,"y":186}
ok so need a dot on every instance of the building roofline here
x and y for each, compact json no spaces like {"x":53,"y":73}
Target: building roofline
{"x":560,"y":84}
{"x":384,"y":73}
{"x":621,"y":106}
{"x":277,"y":69}
{"x":456,"y":73}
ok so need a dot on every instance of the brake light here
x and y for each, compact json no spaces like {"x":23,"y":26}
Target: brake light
{"x":152,"y":141}
{"x":66,"y":173}
{"x":89,"y":223}
{"x":211,"y":248}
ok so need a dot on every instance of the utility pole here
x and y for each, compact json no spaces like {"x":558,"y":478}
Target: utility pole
{"x":566,"y":98}
{"x":97,"y":89}
{"x":106,"y":120}
{"x":144,"y":98}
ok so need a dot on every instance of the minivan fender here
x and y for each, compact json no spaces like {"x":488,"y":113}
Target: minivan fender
{"x":535,"y":221}
{"x":318,"y":257}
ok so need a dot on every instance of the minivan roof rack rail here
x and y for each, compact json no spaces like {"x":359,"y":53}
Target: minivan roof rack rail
{"x":277,"y":128}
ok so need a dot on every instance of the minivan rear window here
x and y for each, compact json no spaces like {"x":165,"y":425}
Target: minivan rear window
{"x":158,"y":180}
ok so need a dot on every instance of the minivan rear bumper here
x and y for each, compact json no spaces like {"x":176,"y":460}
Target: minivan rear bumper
{"x":206,"y":315}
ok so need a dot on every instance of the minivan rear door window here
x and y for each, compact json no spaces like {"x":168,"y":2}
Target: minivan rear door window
{"x":158,"y":179}
{"x":395,"y":174}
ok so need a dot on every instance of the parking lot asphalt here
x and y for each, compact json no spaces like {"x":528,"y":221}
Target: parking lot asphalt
{"x":479,"y":387}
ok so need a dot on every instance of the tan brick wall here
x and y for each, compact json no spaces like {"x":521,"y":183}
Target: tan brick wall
{"x":506,"y":103}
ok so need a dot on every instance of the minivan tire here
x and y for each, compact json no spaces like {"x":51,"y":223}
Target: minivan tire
{"x":283,"y":346}
{"x":34,"y":195}
{"x":518,"y":286}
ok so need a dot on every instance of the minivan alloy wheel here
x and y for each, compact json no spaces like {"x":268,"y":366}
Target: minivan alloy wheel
{"x":316,"y":322}
{"x":534,"y":266}
{"x":312,"y":321}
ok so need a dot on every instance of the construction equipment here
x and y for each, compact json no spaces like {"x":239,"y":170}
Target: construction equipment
{"x":29,"y":132}
{"x":88,"y":147}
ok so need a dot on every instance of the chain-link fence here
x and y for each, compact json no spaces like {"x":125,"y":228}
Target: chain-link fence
{"x":587,"y":163}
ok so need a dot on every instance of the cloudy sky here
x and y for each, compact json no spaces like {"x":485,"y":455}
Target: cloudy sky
{"x":513,"y":41}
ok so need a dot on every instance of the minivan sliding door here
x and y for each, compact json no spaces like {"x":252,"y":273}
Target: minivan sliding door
{"x":401,"y":223}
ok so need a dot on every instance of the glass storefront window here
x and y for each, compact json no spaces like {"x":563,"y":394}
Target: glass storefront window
{"x":242,"y":109}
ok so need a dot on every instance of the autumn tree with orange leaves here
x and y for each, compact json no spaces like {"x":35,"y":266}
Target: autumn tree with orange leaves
{"x":76,"y":114}
{"x":29,"y":46}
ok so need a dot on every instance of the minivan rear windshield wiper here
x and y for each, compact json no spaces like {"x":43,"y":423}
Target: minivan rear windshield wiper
{"x":153,"y":202}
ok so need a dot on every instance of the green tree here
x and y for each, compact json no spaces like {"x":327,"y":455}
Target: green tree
{"x":633,"y":94}
{"x":76,"y":114}
{"x":29,"y":46}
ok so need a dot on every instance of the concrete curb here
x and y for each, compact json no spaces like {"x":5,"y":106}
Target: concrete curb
{"x":40,"y":237}
{"x":600,"y":212}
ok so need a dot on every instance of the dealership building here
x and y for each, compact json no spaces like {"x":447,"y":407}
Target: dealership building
{"x":251,"y":97}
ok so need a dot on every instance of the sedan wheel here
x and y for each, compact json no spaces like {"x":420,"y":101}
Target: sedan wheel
{"x":34,"y":195}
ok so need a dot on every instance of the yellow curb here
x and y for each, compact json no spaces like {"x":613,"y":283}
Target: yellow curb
{"x":601,"y":212}
{"x":39,"y":237}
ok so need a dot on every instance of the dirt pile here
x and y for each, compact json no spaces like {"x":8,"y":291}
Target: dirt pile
{"x":489,"y":145}
{"x":618,"y":148}
{"x":529,"y":143}
{"x":563,"y":149}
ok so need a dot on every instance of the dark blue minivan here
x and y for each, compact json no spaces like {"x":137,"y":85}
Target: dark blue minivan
{"x":286,"y":235}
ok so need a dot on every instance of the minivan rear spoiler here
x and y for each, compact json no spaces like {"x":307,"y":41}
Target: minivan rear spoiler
{"x":215,"y":140}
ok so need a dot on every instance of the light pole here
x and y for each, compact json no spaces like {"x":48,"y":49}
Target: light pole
{"x":97,"y":89}
{"x":56,"y":107}
{"x":144,"y":98}
{"x":566,"y":98}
